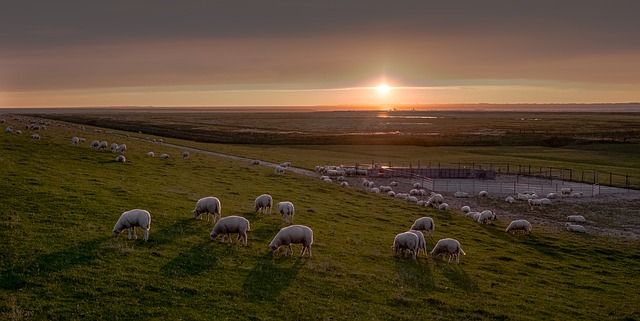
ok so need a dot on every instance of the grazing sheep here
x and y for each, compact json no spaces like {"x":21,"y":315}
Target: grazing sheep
{"x":385,"y":189}
{"x":576,"y":218}
{"x":285,"y":164}
{"x":466,"y":209}
{"x":35,"y":136}
{"x":474,"y":215}
{"x":422,"y":244}
{"x":461,"y":194}
{"x":552,"y":195}
{"x":406,"y":241}
{"x":102,"y":145}
{"x":294,"y":234}
{"x":208,"y":205}
{"x":185,"y":154}
{"x":414,"y":192}
{"x":393,"y":183}
{"x":534,"y":202}
{"x":95,"y":144}
{"x":576,"y":195}
{"x":417,"y":185}
{"x":448,"y":246}
{"x":287,"y":210}
{"x":375,"y":190}
{"x":121,"y":159}
{"x":566,"y":191}
{"x":263,"y":204}
{"x":519,"y":225}
{"x":483,"y":194}
{"x":412,"y":199}
{"x":231,"y":224}
{"x":255,"y":162}
{"x":444,"y":207}
{"x":435,"y":200}
{"x":523,"y":197}
{"x":130,"y":220}
{"x":121,"y":148}
{"x":486,"y":216}
{"x":510,"y":200}
{"x":424,"y":224}
{"x":327,"y":180}
{"x":114,"y":147}
{"x":151,"y":154}
{"x":280,"y":169}
{"x":75,"y":141}
{"x":545,"y":201}
{"x":391,"y":193}
{"x":344,"y":184}
{"x":575,"y":228}
{"x":165,"y":156}
{"x":18,"y":132}
{"x":9,"y":130}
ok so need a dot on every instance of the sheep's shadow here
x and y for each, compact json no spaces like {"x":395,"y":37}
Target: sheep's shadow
{"x":414,"y":274}
{"x":179,"y":229}
{"x":198,"y":259}
{"x":532,"y":241}
{"x":81,"y":254}
{"x":270,"y":277}
{"x":459,"y":278}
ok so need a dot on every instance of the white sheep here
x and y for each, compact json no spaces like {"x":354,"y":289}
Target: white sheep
{"x":424,"y":224}
{"x":255,"y":162}
{"x":121,"y":148}
{"x":422,"y":244}
{"x":510,"y":200}
{"x":75,"y":141}
{"x":519,"y":225}
{"x":552,"y":195}
{"x":391,"y":193}
{"x":545,"y":201}
{"x":375,"y":190}
{"x":185,"y":154}
{"x":287,"y":210}
{"x":102,"y":145}
{"x":35,"y":136}
{"x":486,"y":216}
{"x":566,"y":191}
{"x":576,"y":218}
{"x":523,"y":197}
{"x":263,"y":204}
{"x":385,"y":189}
{"x":534,"y":202}
{"x":461,"y":194}
{"x":448,"y":246}
{"x":280,"y":169}
{"x":435,"y":200}
{"x":575,"y":228}
{"x":466,"y":209}
{"x":576,"y":195}
{"x":114,"y":147}
{"x":9,"y":130}
{"x":394,"y":183}
{"x":208,"y":205}
{"x":121,"y":159}
{"x":294,"y":234}
{"x":417,"y":185}
{"x":95,"y":144}
{"x":474,"y":215}
{"x":344,"y":184}
{"x":444,"y":207}
{"x":129,"y":220}
{"x":151,"y":154}
{"x":165,"y":156}
{"x":231,"y":224}
{"x":483,"y":194}
{"x":412,"y":199}
{"x":406,"y":241}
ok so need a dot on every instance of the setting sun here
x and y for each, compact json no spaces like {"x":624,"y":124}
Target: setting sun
{"x":383,"y":88}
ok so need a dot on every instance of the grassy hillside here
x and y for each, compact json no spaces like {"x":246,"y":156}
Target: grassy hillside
{"x":59,"y":260}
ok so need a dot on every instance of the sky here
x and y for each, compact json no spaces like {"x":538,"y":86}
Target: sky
{"x":303,"y":53}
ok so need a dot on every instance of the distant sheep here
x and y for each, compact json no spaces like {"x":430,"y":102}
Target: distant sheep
{"x":287,"y":210}
{"x":35,"y":136}
{"x":576,"y":218}
{"x":263,"y":204}
{"x":534,"y":203}
{"x":151,"y":154}
{"x":9,"y":130}
{"x":473,"y":215}
{"x":121,"y":159}
{"x":552,"y":195}
{"x":75,"y":141}
{"x":406,"y":241}
{"x":102,"y":145}
{"x":483,"y":194}
{"x":185,"y":154}
{"x":576,"y":195}
{"x":448,"y":246}
{"x":417,"y":185}
{"x":486,"y":216}
{"x":393,"y":183}
{"x":231,"y":224}
{"x":95,"y":144}
{"x":424,"y":224}
{"x":129,"y":220}
{"x":294,"y":234}
{"x":575,"y":228}
{"x":344,"y":184}
{"x":122,"y":148}
{"x":208,"y":205}
{"x":461,"y":194}
{"x":165,"y":156}
{"x":435,"y":200}
{"x":519,"y":225}
{"x":510,"y":200}
{"x":444,"y":207}
{"x":280,"y":169}
{"x":566,"y":191}
{"x":114,"y":147}
{"x":375,"y":190}
{"x":255,"y":162}
{"x":466,"y":209}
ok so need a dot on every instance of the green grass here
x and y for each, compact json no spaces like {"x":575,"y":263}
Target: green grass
{"x":59,"y":260}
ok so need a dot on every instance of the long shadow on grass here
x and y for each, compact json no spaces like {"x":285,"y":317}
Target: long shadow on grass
{"x":199,"y":258}
{"x":532,"y":241}
{"x":182,"y":228}
{"x":458,"y":277}
{"x":414,"y":274}
{"x":271,"y":276}
{"x":80,"y":254}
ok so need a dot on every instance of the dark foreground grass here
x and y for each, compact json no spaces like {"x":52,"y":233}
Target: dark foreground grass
{"x":59,"y":260}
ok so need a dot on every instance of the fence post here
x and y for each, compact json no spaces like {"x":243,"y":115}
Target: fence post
{"x":610,"y":179}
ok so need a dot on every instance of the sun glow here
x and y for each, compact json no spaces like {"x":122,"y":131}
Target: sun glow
{"x":383,"y":89}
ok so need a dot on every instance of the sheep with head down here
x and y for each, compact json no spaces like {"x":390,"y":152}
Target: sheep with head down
{"x":519,"y":226}
{"x":575,"y":228}
{"x":208,"y":205}
{"x":231,"y":225}
{"x":448,"y":246}
{"x":406,"y":241}
{"x":424,"y":224}
{"x":121,"y":159}
{"x":294,"y":234}
{"x":486,"y":216}
{"x":287,"y":210}
{"x":263,"y":204}
{"x":129,"y":220}
{"x":422,"y":244}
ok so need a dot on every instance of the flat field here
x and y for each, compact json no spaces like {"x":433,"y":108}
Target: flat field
{"x":59,"y":259}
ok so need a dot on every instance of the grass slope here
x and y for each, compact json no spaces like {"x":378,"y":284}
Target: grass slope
{"x":59,"y":260}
